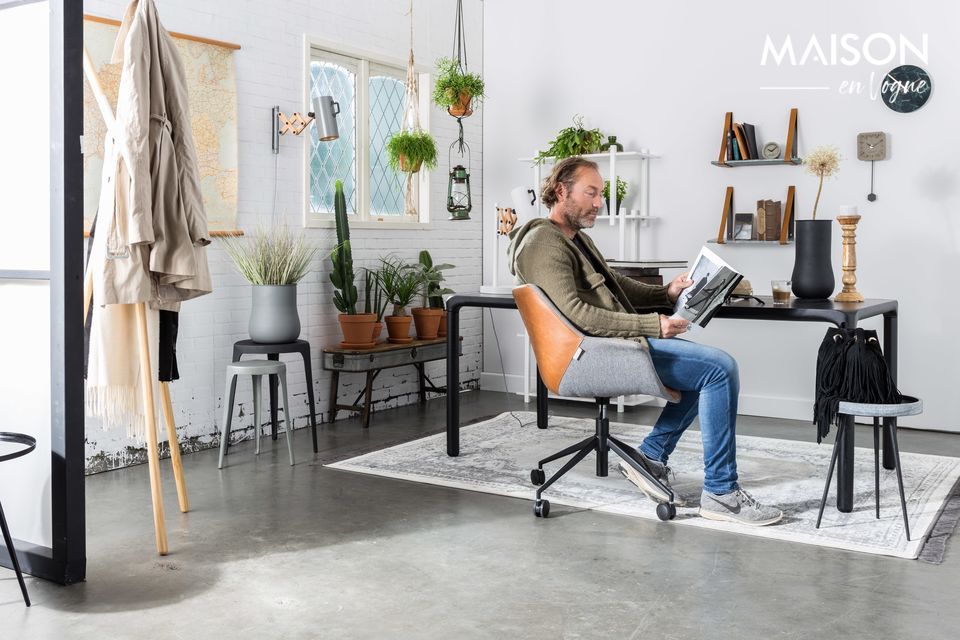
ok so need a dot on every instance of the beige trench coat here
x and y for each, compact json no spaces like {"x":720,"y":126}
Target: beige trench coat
{"x":151,"y":205}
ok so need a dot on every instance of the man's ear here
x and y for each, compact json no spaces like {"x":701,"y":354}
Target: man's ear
{"x":561,"y":191}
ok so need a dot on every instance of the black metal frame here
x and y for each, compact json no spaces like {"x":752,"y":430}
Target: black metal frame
{"x":64,"y":562}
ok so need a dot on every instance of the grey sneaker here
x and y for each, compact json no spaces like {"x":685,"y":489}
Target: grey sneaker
{"x":659,"y":471}
{"x":737,"y":506}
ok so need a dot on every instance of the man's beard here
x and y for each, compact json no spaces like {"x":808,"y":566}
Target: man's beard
{"x":576,"y":218}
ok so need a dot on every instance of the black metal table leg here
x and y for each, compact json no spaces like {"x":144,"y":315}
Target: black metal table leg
{"x":890,"y":355}
{"x":845,"y":466}
{"x":453,"y":382}
{"x":274,"y":382}
{"x":421,"y":383}
{"x":8,"y":540}
{"x":368,"y":393}
{"x":542,"y":413}
{"x":308,"y":374}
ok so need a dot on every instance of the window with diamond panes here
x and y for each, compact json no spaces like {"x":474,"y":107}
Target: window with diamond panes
{"x":334,"y":75}
{"x":387,"y":92}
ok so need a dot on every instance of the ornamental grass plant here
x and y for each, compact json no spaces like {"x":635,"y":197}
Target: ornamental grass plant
{"x":271,"y":257}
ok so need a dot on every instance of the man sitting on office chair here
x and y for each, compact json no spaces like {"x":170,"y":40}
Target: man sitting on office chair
{"x":552,"y":254}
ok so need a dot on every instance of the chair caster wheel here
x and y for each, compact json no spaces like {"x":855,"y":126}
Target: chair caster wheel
{"x":537,"y":477}
{"x":541,"y":508}
{"x":666,"y":511}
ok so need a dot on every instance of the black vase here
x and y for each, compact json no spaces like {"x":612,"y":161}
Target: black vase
{"x":812,"y":269}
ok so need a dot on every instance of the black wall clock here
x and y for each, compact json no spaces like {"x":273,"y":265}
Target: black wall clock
{"x":906,"y":88}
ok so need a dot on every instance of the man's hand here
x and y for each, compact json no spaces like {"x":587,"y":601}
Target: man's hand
{"x":678,"y":284}
{"x":670,"y":327}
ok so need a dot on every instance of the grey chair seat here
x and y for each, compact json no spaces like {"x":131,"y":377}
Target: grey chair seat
{"x":909,"y":407}
{"x":256,"y":368}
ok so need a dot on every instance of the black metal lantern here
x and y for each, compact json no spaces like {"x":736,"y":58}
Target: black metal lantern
{"x":459,"y":202}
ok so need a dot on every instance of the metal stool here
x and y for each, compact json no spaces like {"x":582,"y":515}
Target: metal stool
{"x":910,"y":406}
{"x":254,"y":369}
{"x":25,"y":445}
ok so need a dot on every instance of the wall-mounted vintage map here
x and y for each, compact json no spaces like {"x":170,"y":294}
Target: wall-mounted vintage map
{"x":212,"y":84}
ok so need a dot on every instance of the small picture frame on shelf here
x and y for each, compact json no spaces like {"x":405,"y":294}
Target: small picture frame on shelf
{"x":743,"y":226}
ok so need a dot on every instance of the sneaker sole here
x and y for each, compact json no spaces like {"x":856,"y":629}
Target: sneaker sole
{"x":652,"y":492}
{"x":725,"y":517}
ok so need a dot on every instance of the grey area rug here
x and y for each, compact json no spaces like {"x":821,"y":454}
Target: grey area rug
{"x":496,"y":456}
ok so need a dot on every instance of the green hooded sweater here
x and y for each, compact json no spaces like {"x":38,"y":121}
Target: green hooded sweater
{"x":540,"y":254}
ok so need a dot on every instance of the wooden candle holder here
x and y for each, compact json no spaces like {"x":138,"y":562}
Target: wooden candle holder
{"x":848,"y":223}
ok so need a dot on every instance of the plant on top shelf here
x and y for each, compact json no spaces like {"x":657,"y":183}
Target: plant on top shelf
{"x":357,"y":328}
{"x":456,"y":89}
{"x":823,"y":162}
{"x":401,"y":282}
{"x":428,"y":317}
{"x":621,"y":193}
{"x":408,"y":150}
{"x":572,"y":141}
{"x":273,"y":262}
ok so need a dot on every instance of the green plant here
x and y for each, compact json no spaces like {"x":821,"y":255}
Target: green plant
{"x":621,"y":190}
{"x":451,"y":82}
{"x":432,"y":275}
{"x":400,"y":281}
{"x":415,"y":147}
{"x":345,"y":297}
{"x":822,"y":162}
{"x":271,"y":257}
{"x":373,"y":300}
{"x":572,"y":141}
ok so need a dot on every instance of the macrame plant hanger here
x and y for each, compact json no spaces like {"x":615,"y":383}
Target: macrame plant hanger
{"x":458,"y":174}
{"x":411,"y":121}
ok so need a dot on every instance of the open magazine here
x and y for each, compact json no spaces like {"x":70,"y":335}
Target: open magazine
{"x":713,"y":280}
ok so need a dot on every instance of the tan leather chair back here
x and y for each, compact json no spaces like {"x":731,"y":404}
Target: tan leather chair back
{"x":555,"y":341}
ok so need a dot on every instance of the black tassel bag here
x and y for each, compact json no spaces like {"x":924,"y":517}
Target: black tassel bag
{"x":850,"y":368}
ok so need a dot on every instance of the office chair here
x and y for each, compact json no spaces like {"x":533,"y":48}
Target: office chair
{"x":576,"y":365}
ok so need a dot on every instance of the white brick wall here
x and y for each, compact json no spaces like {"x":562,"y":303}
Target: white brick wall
{"x":270,"y":72}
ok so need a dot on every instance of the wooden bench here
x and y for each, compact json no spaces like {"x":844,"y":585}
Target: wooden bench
{"x":373,"y":361}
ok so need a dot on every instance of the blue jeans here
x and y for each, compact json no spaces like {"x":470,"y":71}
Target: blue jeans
{"x":709,"y":382}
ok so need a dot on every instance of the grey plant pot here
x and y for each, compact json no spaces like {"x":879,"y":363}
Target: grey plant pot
{"x":274,"y":318}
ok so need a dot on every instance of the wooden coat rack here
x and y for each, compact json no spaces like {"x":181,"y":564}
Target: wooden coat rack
{"x":146,"y":370}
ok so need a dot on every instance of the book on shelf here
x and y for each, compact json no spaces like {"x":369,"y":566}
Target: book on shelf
{"x":750,"y":132}
{"x":713,"y":280}
{"x":741,"y":141}
{"x":769,"y":214}
{"x":736,"y":150}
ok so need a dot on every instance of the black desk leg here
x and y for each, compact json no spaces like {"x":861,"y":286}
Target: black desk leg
{"x":273,"y":398}
{"x":890,"y":355}
{"x":845,"y":465}
{"x":453,"y":382}
{"x":541,"y":402}
{"x":308,"y":374}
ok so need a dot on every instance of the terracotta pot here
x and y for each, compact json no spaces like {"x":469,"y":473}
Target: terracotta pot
{"x":427,"y":320}
{"x":462,"y":107}
{"x":357,"y":329}
{"x":398,"y":327}
{"x":407,"y":166}
{"x":442,"y":331}
{"x":377,"y":330}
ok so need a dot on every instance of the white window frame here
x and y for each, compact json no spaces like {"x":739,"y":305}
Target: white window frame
{"x":361,"y":218}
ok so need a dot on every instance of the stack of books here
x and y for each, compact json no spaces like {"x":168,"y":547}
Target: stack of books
{"x":742,"y":142}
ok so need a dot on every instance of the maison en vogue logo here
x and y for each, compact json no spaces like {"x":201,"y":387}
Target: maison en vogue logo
{"x":904,"y":88}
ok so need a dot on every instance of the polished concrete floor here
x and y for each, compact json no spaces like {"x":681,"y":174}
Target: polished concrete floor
{"x":270,"y":551}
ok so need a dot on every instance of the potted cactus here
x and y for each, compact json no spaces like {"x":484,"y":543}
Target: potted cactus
{"x":373,"y":299}
{"x":357,"y":328}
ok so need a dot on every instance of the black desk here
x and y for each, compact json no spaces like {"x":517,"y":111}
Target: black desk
{"x":841,"y":314}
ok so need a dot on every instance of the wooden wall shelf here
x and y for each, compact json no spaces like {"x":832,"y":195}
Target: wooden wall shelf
{"x":725,"y":232}
{"x":789,"y":149}
{"x":755,"y":163}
